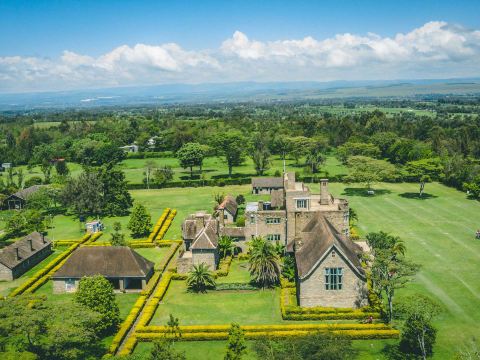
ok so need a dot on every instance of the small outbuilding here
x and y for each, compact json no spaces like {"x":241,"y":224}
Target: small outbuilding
{"x":127,"y":270}
{"x":265,"y":185}
{"x":23,"y":254}
{"x":19,"y":199}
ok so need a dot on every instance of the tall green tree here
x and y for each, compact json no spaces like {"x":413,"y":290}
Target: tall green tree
{"x":84,"y":194}
{"x":200,"y":278}
{"x":44,"y":155}
{"x":390,"y":270}
{"x":315,"y":346}
{"x":236,"y":346}
{"x":118,"y":238}
{"x":418,"y":334}
{"x":264,"y":263}
{"x":260,"y":153}
{"x":230,"y":145}
{"x":96,"y":293}
{"x":64,"y":331}
{"x":116,"y":199}
{"x":140,"y":223}
{"x":163,"y":350}
{"x":369,"y":171}
{"x":190,"y":155}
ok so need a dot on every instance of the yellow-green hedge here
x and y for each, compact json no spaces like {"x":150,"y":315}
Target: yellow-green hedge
{"x":129,"y":346}
{"x":166,"y":225}
{"x":127,"y":324}
{"x":262,"y":328}
{"x":206,"y":336}
{"x":224,"y":267}
{"x":158,"y":225}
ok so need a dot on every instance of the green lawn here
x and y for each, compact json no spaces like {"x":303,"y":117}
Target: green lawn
{"x":439,"y":232}
{"x":219,"y":307}
{"x":153,"y":254}
{"x":238,"y":273}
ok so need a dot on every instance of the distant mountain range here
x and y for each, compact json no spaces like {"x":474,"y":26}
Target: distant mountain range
{"x":237,"y":92}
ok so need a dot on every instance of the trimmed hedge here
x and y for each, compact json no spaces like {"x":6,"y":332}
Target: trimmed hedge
{"x":235,"y":286}
{"x":223,"y":267}
{"x":194,"y":183}
{"x":165,"y":225}
{"x":206,"y":336}
{"x":262,"y":328}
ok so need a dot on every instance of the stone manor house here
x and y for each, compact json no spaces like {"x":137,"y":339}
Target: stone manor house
{"x":313,"y":227}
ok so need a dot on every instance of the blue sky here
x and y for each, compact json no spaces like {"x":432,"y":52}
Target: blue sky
{"x":42,"y":31}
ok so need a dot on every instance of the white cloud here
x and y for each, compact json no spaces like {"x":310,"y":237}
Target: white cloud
{"x":436,"y":49}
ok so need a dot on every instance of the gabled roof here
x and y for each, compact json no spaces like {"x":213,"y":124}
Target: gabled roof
{"x":317,"y":240}
{"x":207,"y":238}
{"x":8,"y":255}
{"x":25,"y":193}
{"x":108,"y":261}
{"x":229,"y":204}
{"x":269,"y":182}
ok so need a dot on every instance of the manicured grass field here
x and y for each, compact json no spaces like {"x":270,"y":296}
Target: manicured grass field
{"x":439,"y":232}
{"x":219,"y":307}
{"x":238,"y":273}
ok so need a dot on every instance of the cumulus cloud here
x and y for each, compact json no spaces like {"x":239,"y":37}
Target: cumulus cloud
{"x":436,"y":49}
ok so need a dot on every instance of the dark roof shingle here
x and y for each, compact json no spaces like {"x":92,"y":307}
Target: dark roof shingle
{"x":108,"y":261}
{"x":267,"y":182}
{"x":8,"y":255}
{"x":229,"y":204}
{"x":317,"y":238}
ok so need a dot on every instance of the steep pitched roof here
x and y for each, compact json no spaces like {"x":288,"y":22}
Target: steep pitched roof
{"x":108,"y":261}
{"x":229,"y":204}
{"x":262,"y":182}
{"x":207,"y":238}
{"x":25,"y":193}
{"x":8,"y":255}
{"x":315,"y":242}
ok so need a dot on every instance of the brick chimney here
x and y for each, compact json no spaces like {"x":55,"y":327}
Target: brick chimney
{"x":324,"y":195}
{"x":31,"y":244}
{"x":17,"y":253}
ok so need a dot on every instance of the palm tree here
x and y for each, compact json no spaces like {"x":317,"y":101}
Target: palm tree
{"x":200,"y":279}
{"x":226,"y":246}
{"x":264,"y":263}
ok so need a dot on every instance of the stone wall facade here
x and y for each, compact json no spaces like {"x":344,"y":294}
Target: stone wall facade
{"x":256,"y":224}
{"x":207,"y":257}
{"x":312,"y":292}
{"x":184,"y":265}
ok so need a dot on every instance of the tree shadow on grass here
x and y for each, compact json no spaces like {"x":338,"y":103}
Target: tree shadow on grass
{"x":364,"y":192}
{"x":416,"y":196}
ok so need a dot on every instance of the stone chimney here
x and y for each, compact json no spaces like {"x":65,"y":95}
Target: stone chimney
{"x":31,"y":244}
{"x":260,"y":205}
{"x":324,"y":195}
{"x":199,"y":221}
{"x":17,"y":253}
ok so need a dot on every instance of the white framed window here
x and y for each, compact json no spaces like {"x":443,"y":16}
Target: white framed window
{"x":302,"y":203}
{"x":333,"y":278}
{"x":272,"y":220}
{"x":273,"y":237}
